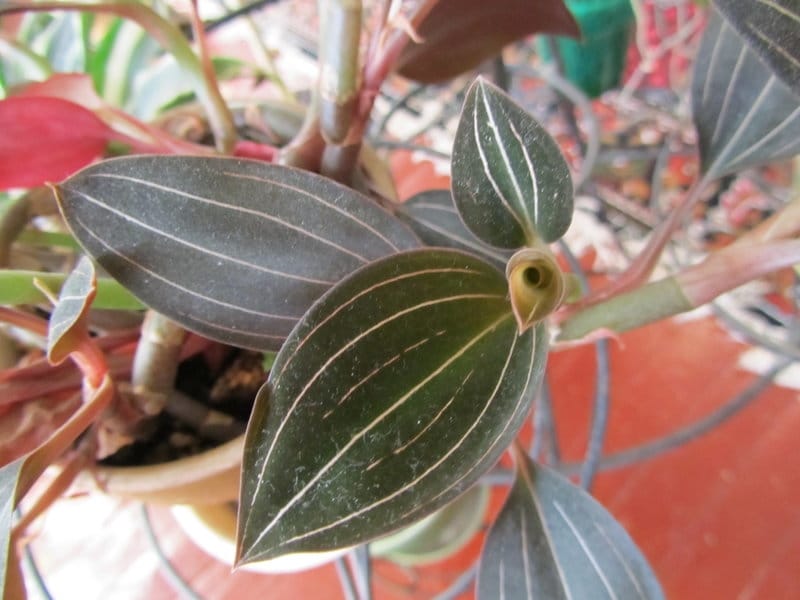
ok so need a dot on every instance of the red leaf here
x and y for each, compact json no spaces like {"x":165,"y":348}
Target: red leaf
{"x":47,"y":139}
{"x":457,"y":35}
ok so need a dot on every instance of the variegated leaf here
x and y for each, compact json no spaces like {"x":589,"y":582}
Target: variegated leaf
{"x":744,"y":114}
{"x":235,"y":250}
{"x":67,"y":325}
{"x":434,"y":218}
{"x":552,"y":540}
{"x":511,"y":184}
{"x":393,"y":395}
{"x":772,"y":27}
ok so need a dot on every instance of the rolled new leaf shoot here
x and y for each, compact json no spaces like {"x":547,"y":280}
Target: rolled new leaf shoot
{"x":535,"y":284}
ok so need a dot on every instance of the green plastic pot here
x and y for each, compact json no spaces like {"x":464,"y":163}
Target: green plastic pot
{"x":595,"y":63}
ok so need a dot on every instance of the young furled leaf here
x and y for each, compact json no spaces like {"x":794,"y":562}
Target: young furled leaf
{"x":392,"y":396}
{"x":771,"y":27}
{"x":511,"y":184}
{"x":745,"y":115}
{"x":235,"y":250}
{"x":552,"y":540}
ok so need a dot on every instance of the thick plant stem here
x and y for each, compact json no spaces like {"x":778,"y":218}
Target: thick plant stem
{"x":693,"y":287}
{"x":339,"y":68}
{"x":155,"y":364}
{"x":629,"y":310}
{"x":339,"y":162}
{"x":306,"y":148}
{"x":338,"y":87}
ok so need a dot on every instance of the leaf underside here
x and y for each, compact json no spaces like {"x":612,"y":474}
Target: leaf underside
{"x":772,"y":27}
{"x":552,"y":540}
{"x":235,"y":250}
{"x":392,"y":396}
{"x":67,"y":322}
{"x":458,"y":35}
{"x":744,"y":114}
{"x":434,"y":218}
{"x":510,"y":182}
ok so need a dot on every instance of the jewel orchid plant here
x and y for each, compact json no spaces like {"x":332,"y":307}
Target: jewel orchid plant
{"x":410,"y":339}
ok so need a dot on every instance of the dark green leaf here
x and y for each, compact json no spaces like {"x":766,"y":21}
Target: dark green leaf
{"x":458,"y":35}
{"x":67,"y":321}
{"x":434,"y":218}
{"x":391,"y":397}
{"x":744,"y":114}
{"x":9,"y":474}
{"x":235,"y":250}
{"x":772,"y":27}
{"x":552,"y":540}
{"x":510,"y":182}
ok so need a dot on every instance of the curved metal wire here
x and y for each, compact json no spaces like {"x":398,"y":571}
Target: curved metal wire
{"x":178,"y":583}
{"x":602,"y":395}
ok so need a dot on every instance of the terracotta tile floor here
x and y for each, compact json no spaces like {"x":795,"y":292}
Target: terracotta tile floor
{"x":718,"y":518}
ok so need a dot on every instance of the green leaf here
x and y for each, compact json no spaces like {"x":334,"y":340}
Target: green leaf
{"x":772,"y":28}
{"x":235,"y":250}
{"x":67,"y":325}
{"x":457,"y":35}
{"x":511,"y":184}
{"x":434,"y":218}
{"x":552,"y":540}
{"x":9,"y":475}
{"x":393,"y":395}
{"x":744,"y":114}
{"x":17,"y":287}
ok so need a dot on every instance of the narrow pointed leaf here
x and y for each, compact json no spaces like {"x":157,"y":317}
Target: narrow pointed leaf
{"x":552,"y":540}
{"x":9,"y":475}
{"x":510,"y":182}
{"x":394,"y":394}
{"x":458,"y":35}
{"x":235,"y":250}
{"x":772,"y":28}
{"x":435,"y":219}
{"x":68,"y":326}
{"x":744,"y":114}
